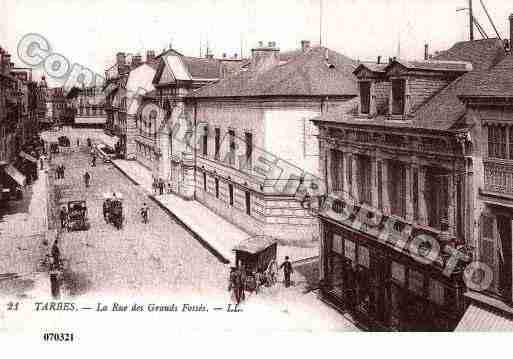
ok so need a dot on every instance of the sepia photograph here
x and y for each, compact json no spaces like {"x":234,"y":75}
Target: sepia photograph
{"x":316,"y":167}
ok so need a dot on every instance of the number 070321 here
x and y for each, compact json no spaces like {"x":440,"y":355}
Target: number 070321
{"x":58,"y":337}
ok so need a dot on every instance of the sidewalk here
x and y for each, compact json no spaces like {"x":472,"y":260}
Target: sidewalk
{"x":217,"y":233}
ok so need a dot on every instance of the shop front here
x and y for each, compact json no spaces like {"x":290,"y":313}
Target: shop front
{"x":12,"y":182}
{"x":385,"y":289}
{"x":28,"y":165}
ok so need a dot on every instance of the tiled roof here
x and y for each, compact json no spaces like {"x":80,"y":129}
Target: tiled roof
{"x":473,"y":51}
{"x":373,"y":66}
{"x":444,"y":111}
{"x":202,"y":68}
{"x":497,"y":82}
{"x":437,"y":65}
{"x":306,"y":74}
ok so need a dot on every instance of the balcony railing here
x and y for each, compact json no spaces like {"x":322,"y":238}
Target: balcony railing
{"x":498,"y":177}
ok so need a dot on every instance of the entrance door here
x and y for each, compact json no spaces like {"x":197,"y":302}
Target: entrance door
{"x":504,"y":249}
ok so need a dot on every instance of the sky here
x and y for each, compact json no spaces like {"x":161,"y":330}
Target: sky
{"x":91,"y":32}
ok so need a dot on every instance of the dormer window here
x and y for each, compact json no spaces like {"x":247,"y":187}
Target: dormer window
{"x":398,"y":96}
{"x":365,"y":97}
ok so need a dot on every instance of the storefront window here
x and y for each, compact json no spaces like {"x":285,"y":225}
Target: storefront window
{"x":436,"y":292}
{"x":350,"y":250}
{"x":416,"y":282}
{"x":336,"y":274}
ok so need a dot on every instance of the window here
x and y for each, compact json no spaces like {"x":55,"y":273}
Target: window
{"x":249,"y":148}
{"x":398,"y":95}
{"x":217,"y":143}
{"x":230,"y":190}
{"x":337,"y":170}
{"x":397,"y":188}
{"x":416,"y":282}
{"x":365,"y":96}
{"x":497,"y":142}
{"x":248,"y":203}
{"x":365,"y":180}
{"x":231,"y":153}
{"x":436,"y":193}
{"x":217,"y":187}
{"x":205,"y":141}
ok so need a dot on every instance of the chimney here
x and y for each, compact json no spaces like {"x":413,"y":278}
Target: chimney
{"x":305,"y":45}
{"x":426,"y":51}
{"x":209,"y":56}
{"x":150,"y":56}
{"x":224,"y":55}
{"x":121,"y":58}
{"x":379,"y":60}
{"x":510,"y":29}
{"x":235,"y":56}
{"x":264,"y":58}
{"x":136,"y":60}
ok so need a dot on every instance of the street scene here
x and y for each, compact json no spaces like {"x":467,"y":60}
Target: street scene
{"x":304,"y":183}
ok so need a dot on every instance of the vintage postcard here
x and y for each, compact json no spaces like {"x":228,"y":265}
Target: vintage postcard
{"x":259,"y":167}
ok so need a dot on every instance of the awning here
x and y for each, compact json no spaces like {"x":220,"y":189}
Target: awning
{"x":16,"y":175}
{"x":28,"y":157}
{"x":477,"y":319}
{"x":90,"y":120}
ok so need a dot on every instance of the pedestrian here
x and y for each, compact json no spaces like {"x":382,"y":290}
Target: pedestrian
{"x":287,"y":271}
{"x":58,"y":171}
{"x":169,"y":187}
{"x":145,"y":212}
{"x":161,"y":186}
{"x":62,"y":171}
{"x":154,"y":185}
{"x":78,"y":142}
{"x":56,"y":253}
{"x":63,"y":216}
{"x":106,"y":207}
{"x":87,"y":178}
{"x":41,"y":162}
{"x":93,"y":161}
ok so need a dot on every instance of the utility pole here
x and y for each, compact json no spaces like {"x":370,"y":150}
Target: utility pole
{"x":471,"y":20}
{"x":320,"y":22}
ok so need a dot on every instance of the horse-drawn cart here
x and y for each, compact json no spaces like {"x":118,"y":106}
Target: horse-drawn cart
{"x":77,"y":216}
{"x":256,"y":258}
{"x":113,"y":209}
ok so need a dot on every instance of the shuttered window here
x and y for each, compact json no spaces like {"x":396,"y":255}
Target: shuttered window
{"x":336,"y":170}
{"x":397,"y":188}
{"x":488,"y":246}
{"x":365,"y":179}
{"x":365,"y":97}
{"x":497,"y":142}
{"x":398,"y":95}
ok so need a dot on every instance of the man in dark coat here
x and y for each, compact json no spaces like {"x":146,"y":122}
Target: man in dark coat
{"x":63,"y":216}
{"x":87,"y":178}
{"x":56,"y":253}
{"x":287,"y":271}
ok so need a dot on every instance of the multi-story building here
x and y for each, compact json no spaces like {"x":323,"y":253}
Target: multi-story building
{"x":254,"y":142}
{"x":18,"y":126}
{"x":400,"y":178}
{"x":88,"y":105}
{"x":56,"y":105}
{"x":177,"y":75}
{"x":489,"y":103}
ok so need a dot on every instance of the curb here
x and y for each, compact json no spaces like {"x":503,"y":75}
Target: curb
{"x":201,"y":240}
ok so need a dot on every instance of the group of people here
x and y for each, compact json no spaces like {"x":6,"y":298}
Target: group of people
{"x":159,"y":186}
{"x":60,"y":171}
{"x":239,"y":276}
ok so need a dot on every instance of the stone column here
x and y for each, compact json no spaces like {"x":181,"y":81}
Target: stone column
{"x":374,"y":181}
{"x":345,"y":174}
{"x":384,"y":179}
{"x":451,"y":204}
{"x":423,"y":215}
{"x":409,"y":191}
{"x":354,"y":177}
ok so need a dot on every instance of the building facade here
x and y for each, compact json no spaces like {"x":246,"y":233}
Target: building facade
{"x":400,"y":198}
{"x":254,"y":142}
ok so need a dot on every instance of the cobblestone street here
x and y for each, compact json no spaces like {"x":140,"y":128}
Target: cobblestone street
{"x":140,"y":258}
